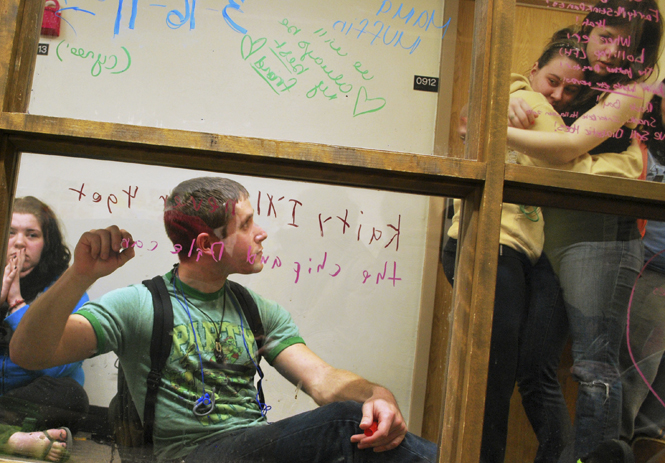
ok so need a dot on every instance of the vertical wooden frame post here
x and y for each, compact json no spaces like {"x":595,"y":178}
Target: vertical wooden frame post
{"x":473,"y":292}
{"x":20,"y":22}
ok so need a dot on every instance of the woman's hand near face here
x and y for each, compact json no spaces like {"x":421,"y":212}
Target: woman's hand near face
{"x":11,"y":270}
{"x":520,"y":114}
{"x":11,"y":282}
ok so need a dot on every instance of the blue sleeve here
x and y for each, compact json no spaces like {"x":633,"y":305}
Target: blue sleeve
{"x":83,"y":300}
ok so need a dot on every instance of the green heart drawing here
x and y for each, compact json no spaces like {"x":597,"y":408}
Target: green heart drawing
{"x":368,"y":105}
{"x":248,"y":46}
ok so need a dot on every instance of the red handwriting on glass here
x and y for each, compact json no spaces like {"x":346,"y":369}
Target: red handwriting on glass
{"x":251,"y":258}
{"x":177,"y":249}
{"x":273,"y":210}
{"x":319,"y":267}
{"x":178,"y":203}
{"x":126,"y":244}
{"x":111,"y":199}
{"x":376,"y":234}
{"x":382,"y":276}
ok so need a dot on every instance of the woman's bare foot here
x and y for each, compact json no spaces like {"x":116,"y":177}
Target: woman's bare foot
{"x":48,"y":445}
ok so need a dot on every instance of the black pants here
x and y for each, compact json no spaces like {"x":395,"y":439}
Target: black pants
{"x":45,"y":403}
{"x":529,"y":332}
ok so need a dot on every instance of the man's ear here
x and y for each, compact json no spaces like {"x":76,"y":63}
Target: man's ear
{"x":205,"y":241}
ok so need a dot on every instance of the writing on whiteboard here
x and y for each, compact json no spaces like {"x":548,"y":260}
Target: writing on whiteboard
{"x":115,"y":64}
{"x":400,"y":13}
{"x":281,"y":63}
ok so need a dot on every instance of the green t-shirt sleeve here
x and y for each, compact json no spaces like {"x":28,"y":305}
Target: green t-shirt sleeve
{"x":280,"y":329}
{"x":118,"y":320}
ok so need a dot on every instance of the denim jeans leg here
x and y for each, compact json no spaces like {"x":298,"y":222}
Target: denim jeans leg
{"x":650,"y":420}
{"x":647,"y":342}
{"x":597,"y":279}
{"x":545,"y":337}
{"x":319,"y":436}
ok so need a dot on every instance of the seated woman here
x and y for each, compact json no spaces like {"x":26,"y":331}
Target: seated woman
{"x":43,"y":399}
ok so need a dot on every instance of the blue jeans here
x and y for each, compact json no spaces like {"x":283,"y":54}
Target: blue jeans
{"x":322,"y":435}
{"x":597,"y":279}
{"x":529,"y":332}
{"x":642,"y":413}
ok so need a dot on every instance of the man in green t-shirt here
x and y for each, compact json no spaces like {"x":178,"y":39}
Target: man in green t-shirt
{"x":211,"y":224}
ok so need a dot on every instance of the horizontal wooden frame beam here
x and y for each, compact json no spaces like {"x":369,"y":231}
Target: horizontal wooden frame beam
{"x":394,"y":171}
{"x":595,"y":193}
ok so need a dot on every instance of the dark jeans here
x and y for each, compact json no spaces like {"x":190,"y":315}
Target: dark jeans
{"x":319,"y":436}
{"x":529,"y":332}
{"x":45,"y":403}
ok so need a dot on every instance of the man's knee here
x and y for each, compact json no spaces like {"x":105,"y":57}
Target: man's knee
{"x":349,"y":410}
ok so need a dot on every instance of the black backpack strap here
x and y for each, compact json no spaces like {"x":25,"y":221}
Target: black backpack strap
{"x":251,"y":312}
{"x":160,"y":348}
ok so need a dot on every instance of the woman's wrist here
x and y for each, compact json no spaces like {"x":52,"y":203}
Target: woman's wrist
{"x":16,"y":304}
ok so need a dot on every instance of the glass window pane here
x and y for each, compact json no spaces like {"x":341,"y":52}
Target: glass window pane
{"x":351,"y":74}
{"x":584,"y":76}
{"x":354,"y":267}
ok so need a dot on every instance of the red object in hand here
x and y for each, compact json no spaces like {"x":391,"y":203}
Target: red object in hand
{"x":372,"y":429}
{"x":51,"y":20}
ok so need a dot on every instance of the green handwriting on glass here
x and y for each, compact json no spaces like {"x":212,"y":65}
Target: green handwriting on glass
{"x":99,"y":62}
{"x":278,"y":84}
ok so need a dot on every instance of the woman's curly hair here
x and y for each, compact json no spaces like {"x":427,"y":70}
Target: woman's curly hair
{"x":55,"y":255}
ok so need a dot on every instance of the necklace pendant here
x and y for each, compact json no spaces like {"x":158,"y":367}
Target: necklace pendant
{"x":219,"y":355}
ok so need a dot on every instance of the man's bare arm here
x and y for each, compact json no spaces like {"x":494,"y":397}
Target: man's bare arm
{"x":49,"y":334}
{"x":326,"y":384}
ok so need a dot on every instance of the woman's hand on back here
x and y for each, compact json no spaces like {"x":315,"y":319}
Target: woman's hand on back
{"x":520,"y":114}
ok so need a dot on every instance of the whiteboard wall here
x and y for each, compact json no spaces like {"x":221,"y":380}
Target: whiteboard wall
{"x":353,"y":266}
{"x":339,"y":73}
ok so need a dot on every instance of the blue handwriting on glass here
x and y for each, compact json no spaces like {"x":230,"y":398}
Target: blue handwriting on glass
{"x":423,"y":21}
{"x":182,"y":17}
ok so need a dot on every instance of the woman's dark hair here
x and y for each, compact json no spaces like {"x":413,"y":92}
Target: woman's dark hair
{"x":655,"y":147}
{"x":563,"y":44}
{"x":55,"y":255}
{"x":645,"y":34}
{"x":645,"y":31}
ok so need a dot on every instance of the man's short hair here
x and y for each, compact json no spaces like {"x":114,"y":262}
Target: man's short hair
{"x":201,"y":205}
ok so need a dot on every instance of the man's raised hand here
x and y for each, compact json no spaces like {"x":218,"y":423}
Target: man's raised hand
{"x":100,"y":252}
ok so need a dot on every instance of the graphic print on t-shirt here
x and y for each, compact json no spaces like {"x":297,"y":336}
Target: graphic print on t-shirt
{"x":232,"y":380}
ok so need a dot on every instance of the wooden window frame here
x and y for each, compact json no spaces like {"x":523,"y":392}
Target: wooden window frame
{"x":484,"y":183}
